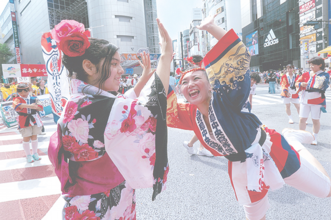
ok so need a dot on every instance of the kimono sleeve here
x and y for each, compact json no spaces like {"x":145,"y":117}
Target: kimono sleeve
{"x":284,"y":85}
{"x":303,"y":78}
{"x":227,"y":66}
{"x":178,"y":114}
{"x":136,"y":137}
{"x":17,"y":102}
{"x":326,"y":82}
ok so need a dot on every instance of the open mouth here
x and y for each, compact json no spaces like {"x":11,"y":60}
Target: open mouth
{"x":194,"y":93}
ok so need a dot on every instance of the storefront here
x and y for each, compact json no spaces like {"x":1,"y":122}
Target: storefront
{"x":273,"y":38}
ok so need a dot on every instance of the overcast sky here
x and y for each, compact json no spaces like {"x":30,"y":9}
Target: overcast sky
{"x":176,"y":15}
{"x":3,"y":3}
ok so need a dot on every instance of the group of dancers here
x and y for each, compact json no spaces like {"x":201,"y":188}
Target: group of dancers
{"x":311,"y":86}
{"x":107,"y":145}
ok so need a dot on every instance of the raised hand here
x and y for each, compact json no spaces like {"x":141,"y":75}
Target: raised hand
{"x":207,"y":23}
{"x":166,"y":43}
{"x":146,"y":65}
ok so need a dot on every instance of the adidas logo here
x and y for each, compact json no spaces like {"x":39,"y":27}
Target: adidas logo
{"x":271,"y":39}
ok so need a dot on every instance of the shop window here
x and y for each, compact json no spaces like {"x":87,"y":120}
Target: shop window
{"x":125,"y":38}
{"x":123,"y":18}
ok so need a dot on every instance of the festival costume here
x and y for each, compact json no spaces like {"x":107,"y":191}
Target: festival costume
{"x":29,"y":124}
{"x":259,"y":158}
{"x":42,"y":92}
{"x":27,"y":117}
{"x":313,"y":96}
{"x":107,"y":146}
{"x":6,"y":93}
{"x":288,"y":87}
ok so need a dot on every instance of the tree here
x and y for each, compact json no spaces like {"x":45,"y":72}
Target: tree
{"x":5,"y":55}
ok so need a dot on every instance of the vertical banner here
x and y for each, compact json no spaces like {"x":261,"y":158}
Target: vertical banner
{"x":58,"y":82}
{"x":15,"y":32}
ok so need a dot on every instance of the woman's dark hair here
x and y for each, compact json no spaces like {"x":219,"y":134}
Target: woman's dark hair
{"x":317,"y":61}
{"x":256,"y":77}
{"x":290,"y":65}
{"x":97,"y":50}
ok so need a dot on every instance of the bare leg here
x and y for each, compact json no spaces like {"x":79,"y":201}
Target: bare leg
{"x":192,"y":141}
{"x":297,"y":106}
{"x":316,"y":125}
{"x":288,"y":109}
{"x":302,"y":123}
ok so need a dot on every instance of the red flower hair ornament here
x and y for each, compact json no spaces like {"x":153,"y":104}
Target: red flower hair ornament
{"x":71,"y":37}
{"x":197,"y":65}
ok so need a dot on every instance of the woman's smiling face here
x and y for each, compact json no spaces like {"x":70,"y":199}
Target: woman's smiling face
{"x":195,"y":87}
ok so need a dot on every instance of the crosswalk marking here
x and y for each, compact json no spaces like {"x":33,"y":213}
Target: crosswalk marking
{"x":29,"y":189}
{"x":18,"y":163}
{"x":24,"y":185}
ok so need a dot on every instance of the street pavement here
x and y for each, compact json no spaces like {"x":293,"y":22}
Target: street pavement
{"x":198,"y":187}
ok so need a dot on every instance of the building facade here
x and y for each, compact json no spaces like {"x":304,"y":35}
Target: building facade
{"x":6,"y":27}
{"x":313,"y":38}
{"x":129,"y":24}
{"x":228,"y":17}
{"x":271,"y":33}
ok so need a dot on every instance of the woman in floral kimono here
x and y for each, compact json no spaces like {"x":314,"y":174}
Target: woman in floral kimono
{"x":259,"y":158}
{"x":107,"y":146}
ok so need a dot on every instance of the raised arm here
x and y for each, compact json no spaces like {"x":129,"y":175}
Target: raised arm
{"x":227,"y":66}
{"x":163,"y":68}
{"x":209,"y":25}
{"x":147,"y":73}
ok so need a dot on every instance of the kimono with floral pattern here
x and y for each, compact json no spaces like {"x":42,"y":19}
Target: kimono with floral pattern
{"x":107,"y":146}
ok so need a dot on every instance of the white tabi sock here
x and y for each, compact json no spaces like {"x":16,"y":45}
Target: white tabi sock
{"x":315,"y":136}
{"x":290,"y":117}
{"x":26,"y":147}
{"x":34,"y":146}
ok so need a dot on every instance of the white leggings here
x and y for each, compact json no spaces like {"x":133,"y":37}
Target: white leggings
{"x":307,"y":179}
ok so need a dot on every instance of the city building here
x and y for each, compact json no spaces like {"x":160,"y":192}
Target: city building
{"x":313,"y":38}
{"x":6,"y":27}
{"x":271,"y":33}
{"x":186,"y":45}
{"x":197,"y":37}
{"x":228,"y":17}
{"x":129,"y":24}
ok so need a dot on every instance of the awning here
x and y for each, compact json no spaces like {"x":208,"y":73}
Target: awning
{"x":326,"y":50}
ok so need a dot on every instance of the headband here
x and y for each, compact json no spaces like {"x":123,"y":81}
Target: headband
{"x":188,"y":71}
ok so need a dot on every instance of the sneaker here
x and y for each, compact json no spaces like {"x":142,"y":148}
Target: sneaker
{"x":314,"y":142}
{"x":190,"y":150}
{"x":205,"y":152}
{"x":36,"y":157}
{"x":29,"y":159}
{"x":290,"y":121}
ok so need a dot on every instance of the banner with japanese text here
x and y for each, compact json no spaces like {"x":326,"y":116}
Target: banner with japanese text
{"x":33,"y":70}
{"x":57,"y":81}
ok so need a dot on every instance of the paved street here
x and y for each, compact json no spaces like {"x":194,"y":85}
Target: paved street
{"x":198,"y":187}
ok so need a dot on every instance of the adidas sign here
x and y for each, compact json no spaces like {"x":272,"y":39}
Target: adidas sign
{"x":271,"y":39}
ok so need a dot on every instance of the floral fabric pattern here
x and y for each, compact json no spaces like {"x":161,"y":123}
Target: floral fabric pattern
{"x":116,"y":204}
{"x":128,"y":129}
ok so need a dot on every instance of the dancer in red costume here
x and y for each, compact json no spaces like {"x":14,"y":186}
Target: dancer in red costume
{"x":289,"y":93}
{"x":260,"y":159}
